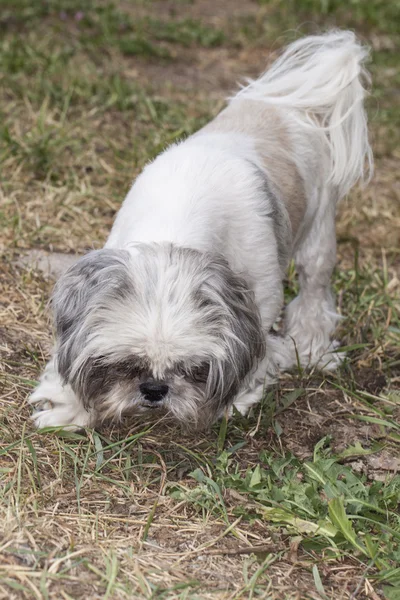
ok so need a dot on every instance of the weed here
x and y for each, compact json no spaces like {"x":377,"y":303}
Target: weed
{"x":300,"y":498}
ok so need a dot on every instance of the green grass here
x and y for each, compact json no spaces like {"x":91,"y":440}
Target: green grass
{"x":379,"y":16}
{"x":301,"y":498}
{"x":336,"y":512}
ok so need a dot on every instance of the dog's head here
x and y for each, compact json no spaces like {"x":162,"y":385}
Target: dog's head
{"x":165,"y":328}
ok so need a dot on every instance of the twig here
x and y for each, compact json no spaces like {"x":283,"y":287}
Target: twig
{"x":243,"y":550}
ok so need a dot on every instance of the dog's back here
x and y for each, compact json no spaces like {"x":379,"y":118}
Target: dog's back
{"x":268,"y":128}
{"x":306,"y":118}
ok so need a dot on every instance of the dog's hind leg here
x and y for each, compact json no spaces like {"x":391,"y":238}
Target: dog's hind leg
{"x":56,"y":404}
{"x":311,"y":318}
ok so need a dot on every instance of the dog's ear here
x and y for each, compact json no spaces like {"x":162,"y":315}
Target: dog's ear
{"x":238,"y":323}
{"x":95,"y":279}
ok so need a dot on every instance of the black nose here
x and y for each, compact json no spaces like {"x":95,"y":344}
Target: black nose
{"x":154,"y":391}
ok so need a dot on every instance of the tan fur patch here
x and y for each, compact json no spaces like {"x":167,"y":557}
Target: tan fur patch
{"x":264,"y":125}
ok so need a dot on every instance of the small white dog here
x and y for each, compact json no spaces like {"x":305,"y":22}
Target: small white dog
{"x":175,"y":312}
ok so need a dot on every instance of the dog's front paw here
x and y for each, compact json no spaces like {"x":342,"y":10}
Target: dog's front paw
{"x":249,"y":396}
{"x":55,"y":405}
{"x":60,"y":417}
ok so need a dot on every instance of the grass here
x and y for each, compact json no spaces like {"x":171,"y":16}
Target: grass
{"x":300,"y":500}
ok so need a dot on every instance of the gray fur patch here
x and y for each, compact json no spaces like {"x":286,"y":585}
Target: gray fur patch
{"x":280,"y":218}
{"x":233,"y":305}
{"x":92,"y":281}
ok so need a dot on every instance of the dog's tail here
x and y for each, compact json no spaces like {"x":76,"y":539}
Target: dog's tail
{"x":322,"y":78}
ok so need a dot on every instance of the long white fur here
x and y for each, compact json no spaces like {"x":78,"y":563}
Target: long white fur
{"x":323,"y":78}
{"x":202,"y":193}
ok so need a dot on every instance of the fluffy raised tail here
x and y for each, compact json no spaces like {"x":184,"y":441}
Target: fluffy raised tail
{"x":322,"y":78}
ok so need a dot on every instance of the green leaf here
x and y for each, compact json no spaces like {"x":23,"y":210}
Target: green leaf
{"x":322,"y":442}
{"x":277,"y":428}
{"x":34,"y":458}
{"x":289,"y":398}
{"x":394,"y":397}
{"x":340,"y":519}
{"x":256,"y":476}
{"x":372,"y":548}
{"x":358,"y":450}
{"x":315,"y":473}
{"x":235,"y":448}
{"x":318,"y":583}
{"x":375,"y":420}
{"x":150,"y":520}
{"x":279,"y":515}
{"x":63,"y":432}
{"x":391,"y":593}
{"x":200,"y":477}
{"x":222,"y":434}
{"x":351,"y":348}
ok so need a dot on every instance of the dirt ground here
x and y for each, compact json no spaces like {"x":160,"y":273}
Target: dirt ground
{"x":144,"y":510}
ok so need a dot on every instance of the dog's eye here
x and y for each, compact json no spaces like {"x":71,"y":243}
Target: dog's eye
{"x":200,"y":374}
{"x":181,"y":370}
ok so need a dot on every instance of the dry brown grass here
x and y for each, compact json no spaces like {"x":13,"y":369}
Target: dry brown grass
{"x":117,"y":514}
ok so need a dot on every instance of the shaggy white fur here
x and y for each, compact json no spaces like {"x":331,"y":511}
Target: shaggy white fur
{"x":176,"y":311}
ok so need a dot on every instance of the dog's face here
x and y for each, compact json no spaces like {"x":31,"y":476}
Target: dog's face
{"x":162,"y":328}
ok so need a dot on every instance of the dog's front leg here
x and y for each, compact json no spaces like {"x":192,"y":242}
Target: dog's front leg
{"x":56,"y":404}
{"x":254,"y":389}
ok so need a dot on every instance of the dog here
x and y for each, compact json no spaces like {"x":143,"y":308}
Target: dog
{"x":175,"y":313}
